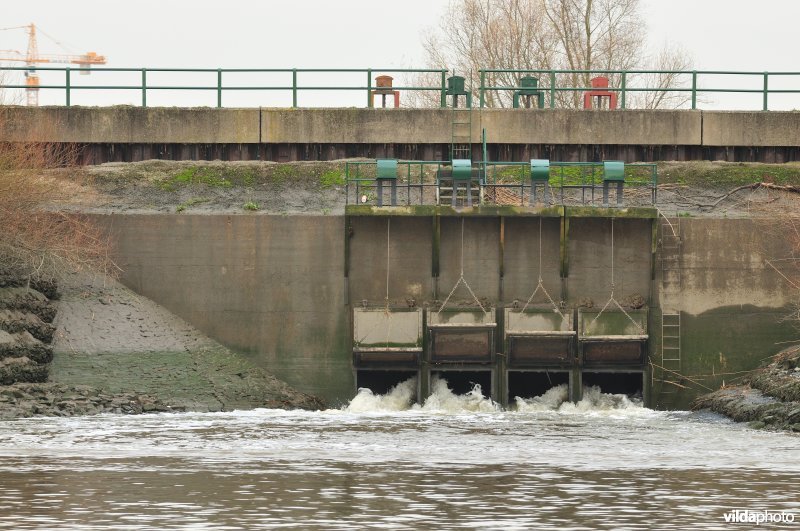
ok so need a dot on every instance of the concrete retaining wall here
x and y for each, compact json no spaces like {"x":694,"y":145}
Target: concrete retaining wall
{"x":269,"y":286}
{"x":275,"y":286}
{"x":136,"y":125}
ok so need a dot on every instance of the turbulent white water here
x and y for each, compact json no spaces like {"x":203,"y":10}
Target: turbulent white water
{"x":456,"y":461}
{"x":443,"y":400}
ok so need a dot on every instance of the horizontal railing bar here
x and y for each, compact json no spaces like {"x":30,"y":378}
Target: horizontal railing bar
{"x":686,"y":72}
{"x":239,"y":70}
{"x":188,"y":87}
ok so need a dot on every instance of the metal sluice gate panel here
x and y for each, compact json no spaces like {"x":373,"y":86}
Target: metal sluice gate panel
{"x":461,"y":336}
{"x":610,"y":351}
{"x":539,"y":337}
{"x":612,"y":338}
{"x":387,"y":337}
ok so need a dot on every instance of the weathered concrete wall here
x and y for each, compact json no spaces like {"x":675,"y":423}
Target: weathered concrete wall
{"x":270,"y":286}
{"x":410,"y":258}
{"x":742,"y":128}
{"x":566,"y":126}
{"x":358,"y":126}
{"x":130,"y":125}
{"x":733,"y":304}
{"x":136,"y":125}
{"x":521,"y":256}
{"x":591,"y":259}
{"x":275,"y":286}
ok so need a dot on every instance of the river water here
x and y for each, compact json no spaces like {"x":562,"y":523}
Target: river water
{"x":456,"y":462}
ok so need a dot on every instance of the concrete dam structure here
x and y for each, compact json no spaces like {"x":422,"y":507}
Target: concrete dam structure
{"x":517,"y":299}
{"x":329,"y":303}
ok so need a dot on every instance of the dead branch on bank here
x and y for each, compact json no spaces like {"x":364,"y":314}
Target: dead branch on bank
{"x":754,"y":187}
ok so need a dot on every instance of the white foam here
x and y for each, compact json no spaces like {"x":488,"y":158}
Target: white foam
{"x":443,"y":400}
{"x":594,"y":402}
{"x":398,"y":398}
{"x":549,"y":401}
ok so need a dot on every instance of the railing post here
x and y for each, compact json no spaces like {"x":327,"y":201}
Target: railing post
{"x":144,"y":87}
{"x":694,"y":89}
{"x":766,"y":90}
{"x":219,"y":87}
{"x":483,"y":86}
{"x":369,"y":88}
{"x":623,"y":84}
{"x":68,"y":86}
{"x":443,"y":97}
{"x":552,"y":89}
{"x":294,"y":87}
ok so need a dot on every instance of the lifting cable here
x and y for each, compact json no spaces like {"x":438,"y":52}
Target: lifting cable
{"x":386,"y":311}
{"x":388,"y":256}
{"x":462,"y":279}
{"x":540,"y":285}
{"x":611,"y":298}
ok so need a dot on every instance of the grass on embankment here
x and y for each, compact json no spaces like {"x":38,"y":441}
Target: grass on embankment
{"x":727,"y":174}
{"x":172,"y":176}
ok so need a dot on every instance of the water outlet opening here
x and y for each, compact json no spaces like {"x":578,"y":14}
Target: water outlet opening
{"x":381,"y":382}
{"x":617,"y":383}
{"x":529,"y":384}
{"x":462,"y":382}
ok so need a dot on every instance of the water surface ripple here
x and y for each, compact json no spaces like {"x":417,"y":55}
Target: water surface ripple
{"x":613,"y":467}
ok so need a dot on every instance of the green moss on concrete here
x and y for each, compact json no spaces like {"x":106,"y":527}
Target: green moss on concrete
{"x":720,"y":346}
{"x":605,"y":212}
{"x":448,"y":211}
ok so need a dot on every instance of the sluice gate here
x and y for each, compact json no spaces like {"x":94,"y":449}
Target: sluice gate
{"x":540,"y":352}
{"x":517,"y":300}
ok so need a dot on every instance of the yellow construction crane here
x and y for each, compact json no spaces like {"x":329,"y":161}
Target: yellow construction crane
{"x":32,"y":58}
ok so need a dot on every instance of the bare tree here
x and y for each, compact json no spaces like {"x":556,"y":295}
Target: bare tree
{"x":668,"y":61}
{"x":577,"y":35}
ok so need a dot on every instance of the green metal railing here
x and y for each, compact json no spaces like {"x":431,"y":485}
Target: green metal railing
{"x":583,"y":178}
{"x":415,"y":176}
{"x":220,"y":87}
{"x":552,"y":87}
{"x":551,"y":82}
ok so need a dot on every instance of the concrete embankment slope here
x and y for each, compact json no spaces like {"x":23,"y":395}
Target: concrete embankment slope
{"x":135,"y":133}
{"x":114,"y":351}
{"x":111,"y":338}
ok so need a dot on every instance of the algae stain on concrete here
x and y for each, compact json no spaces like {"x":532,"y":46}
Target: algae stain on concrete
{"x":721,"y":345}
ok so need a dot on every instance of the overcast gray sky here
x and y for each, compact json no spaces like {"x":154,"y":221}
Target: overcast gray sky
{"x":719,"y":34}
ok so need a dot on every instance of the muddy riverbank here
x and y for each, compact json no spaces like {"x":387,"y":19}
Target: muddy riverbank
{"x":97,"y":347}
{"x":768,"y":398}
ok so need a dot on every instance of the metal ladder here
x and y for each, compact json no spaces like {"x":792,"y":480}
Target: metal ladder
{"x":671,"y":350}
{"x":670,"y":254}
{"x":671,"y":280}
{"x":461,"y":133}
{"x":460,"y":148}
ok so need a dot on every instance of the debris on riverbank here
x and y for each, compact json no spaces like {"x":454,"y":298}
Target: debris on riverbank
{"x":57,"y":400}
{"x":26,"y":329}
{"x":769,"y":397}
